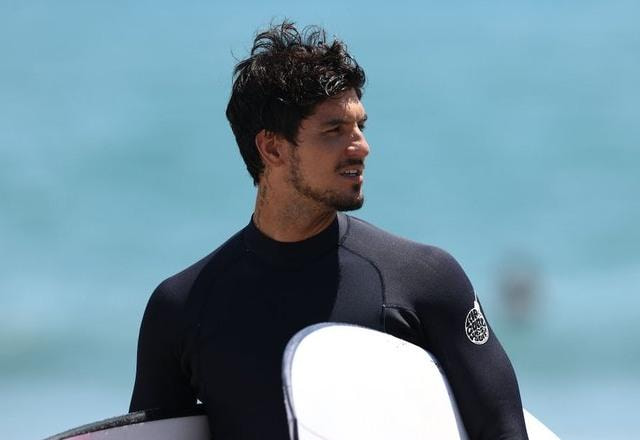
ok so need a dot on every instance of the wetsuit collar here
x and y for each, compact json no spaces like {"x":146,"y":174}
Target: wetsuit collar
{"x":298,"y":252}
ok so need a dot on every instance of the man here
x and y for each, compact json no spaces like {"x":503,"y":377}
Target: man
{"x":216,"y":331}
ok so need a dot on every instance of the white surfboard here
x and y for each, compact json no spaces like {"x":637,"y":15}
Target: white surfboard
{"x":333,"y":391}
{"x":144,"y":425}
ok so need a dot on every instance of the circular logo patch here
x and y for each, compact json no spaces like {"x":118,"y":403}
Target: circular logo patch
{"x":476,"y":327}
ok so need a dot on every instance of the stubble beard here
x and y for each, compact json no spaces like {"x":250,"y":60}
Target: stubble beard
{"x":329,"y":198}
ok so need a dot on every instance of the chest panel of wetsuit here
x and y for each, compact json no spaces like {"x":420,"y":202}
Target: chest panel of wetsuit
{"x":256,"y":307}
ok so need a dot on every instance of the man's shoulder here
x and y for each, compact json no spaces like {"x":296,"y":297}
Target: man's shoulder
{"x":366,"y":237}
{"x":178,"y":286}
{"x":392,"y":252}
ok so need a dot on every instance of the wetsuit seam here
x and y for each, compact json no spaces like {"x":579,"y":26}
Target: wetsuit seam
{"x":346,"y":232}
{"x":382,"y":283}
{"x":379,"y":272}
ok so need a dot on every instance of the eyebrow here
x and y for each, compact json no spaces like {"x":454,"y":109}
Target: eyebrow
{"x":339,"y":121}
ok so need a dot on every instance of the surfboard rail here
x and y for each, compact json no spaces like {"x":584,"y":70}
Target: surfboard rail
{"x":91,"y":430}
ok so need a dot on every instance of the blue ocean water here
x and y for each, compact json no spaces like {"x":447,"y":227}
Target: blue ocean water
{"x":506,"y":133}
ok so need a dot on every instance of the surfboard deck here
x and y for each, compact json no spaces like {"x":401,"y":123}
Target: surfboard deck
{"x":337,"y":385}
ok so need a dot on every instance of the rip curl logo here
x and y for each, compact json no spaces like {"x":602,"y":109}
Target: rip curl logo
{"x":475,"y":325}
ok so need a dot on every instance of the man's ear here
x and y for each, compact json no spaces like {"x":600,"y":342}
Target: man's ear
{"x":271,"y":148}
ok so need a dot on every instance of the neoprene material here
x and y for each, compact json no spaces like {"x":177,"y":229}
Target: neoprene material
{"x":217,"y":330}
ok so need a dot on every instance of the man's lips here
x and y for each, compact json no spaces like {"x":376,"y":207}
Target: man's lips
{"x":351,"y":168}
{"x":352,"y":172}
{"x":353,"y":175}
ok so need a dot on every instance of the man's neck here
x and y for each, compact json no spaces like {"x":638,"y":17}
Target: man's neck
{"x":289,"y":219}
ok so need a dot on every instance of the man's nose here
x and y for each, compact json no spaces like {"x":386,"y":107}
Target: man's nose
{"x":359,"y":147}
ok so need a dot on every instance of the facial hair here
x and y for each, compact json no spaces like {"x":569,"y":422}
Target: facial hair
{"x":329,"y":198}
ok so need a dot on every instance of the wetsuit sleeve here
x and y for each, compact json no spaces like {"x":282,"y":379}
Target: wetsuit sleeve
{"x":481,"y":376}
{"x":160,"y":381}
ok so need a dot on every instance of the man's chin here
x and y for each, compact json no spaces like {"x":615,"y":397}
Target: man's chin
{"x":349,"y":205}
{"x":339,"y":201}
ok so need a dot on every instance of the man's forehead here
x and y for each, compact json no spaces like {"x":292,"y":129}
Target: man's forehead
{"x":344,"y":106}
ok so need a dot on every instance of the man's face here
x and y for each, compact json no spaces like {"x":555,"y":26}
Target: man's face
{"x":327,"y":165}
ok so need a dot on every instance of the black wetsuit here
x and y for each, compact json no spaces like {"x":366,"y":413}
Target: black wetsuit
{"x":217,"y":331}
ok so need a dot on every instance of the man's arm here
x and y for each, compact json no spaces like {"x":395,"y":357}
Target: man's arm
{"x":160,"y":381}
{"x":480,"y":374}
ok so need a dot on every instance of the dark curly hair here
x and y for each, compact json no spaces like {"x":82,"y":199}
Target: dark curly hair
{"x":287,"y":74}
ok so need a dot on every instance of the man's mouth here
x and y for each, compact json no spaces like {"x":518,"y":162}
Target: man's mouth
{"x":352,"y":168}
{"x":351,"y":172}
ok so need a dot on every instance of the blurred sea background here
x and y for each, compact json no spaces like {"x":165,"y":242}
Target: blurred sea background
{"x":505,"y":132}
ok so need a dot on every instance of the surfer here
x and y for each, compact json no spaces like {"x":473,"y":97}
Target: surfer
{"x":216,"y":331}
